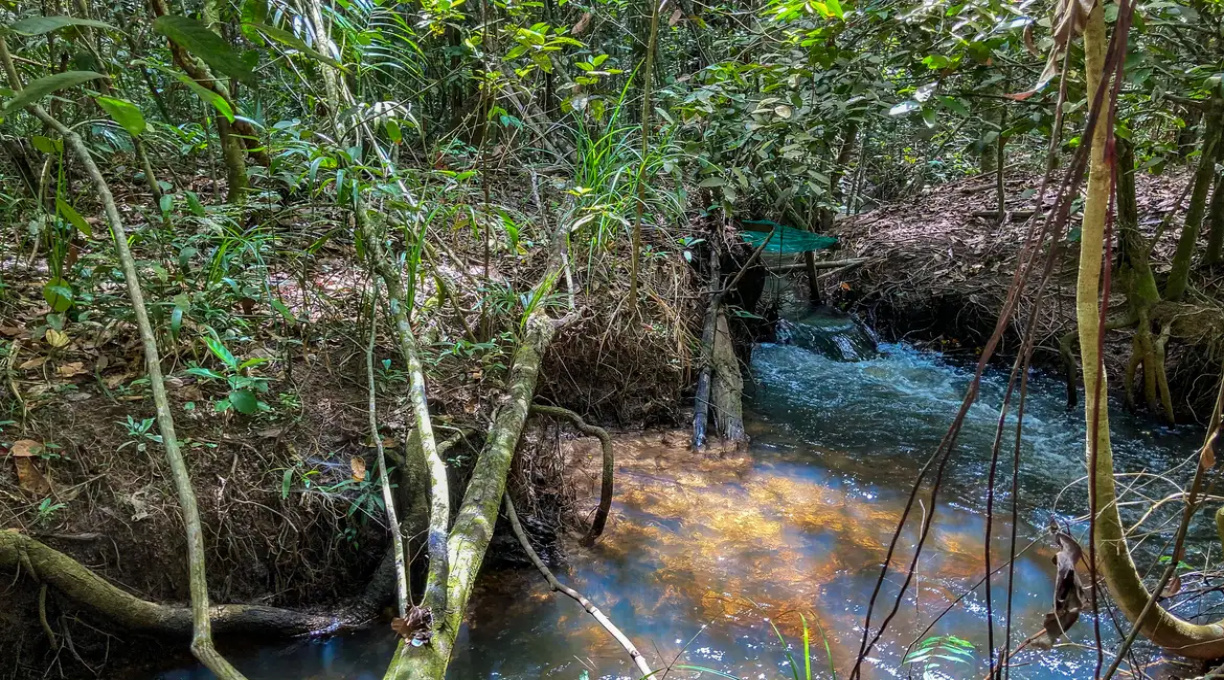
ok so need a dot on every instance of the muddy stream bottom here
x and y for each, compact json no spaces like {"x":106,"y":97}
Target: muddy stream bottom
{"x":707,"y":553}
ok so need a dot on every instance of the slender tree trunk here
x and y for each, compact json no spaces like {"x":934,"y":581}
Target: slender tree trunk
{"x":201,"y":641}
{"x":1215,"y":216}
{"x":1116,"y":567}
{"x":1179,"y":275}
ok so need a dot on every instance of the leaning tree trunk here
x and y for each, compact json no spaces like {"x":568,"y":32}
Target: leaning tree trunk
{"x":473,"y":528}
{"x":1187,"y":243}
{"x":1215,"y":217}
{"x":1116,"y":567}
{"x":201,"y":642}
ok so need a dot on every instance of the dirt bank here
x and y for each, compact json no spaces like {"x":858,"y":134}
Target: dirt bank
{"x":940,"y":266}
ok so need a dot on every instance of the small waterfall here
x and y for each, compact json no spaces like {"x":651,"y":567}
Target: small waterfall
{"x":830,"y":333}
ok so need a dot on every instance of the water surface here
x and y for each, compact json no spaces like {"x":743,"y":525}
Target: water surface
{"x":708,"y":552}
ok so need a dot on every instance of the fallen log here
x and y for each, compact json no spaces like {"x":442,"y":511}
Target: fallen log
{"x":49,"y":566}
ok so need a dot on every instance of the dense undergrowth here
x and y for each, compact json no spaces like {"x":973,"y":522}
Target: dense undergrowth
{"x":509,"y":198}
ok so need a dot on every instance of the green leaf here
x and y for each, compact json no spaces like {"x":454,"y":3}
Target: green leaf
{"x":290,"y":40}
{"x":42,"y":87}
{"x":38,"y":25}
{"x":198,"y":39}
{"x":69,"y":213}
{"x":221,"y":352}
{"x":124,"y":113}
{"x":244,"y":402}
{"x":209,"y":96}
{"x":194,"y":205}
{"x":284,"y":311}
{"x":835,"y":9}
{"x":58,"y":294}
{"x":46,"y":144}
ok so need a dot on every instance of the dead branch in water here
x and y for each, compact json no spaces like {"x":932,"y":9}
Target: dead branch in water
{"x":556,"y":585}
{"x":609,"y":465}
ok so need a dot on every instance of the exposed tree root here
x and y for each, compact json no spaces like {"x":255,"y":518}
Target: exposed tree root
{"x":76,"y":581}
{"x":607,"y":483}
{"x":557,"y":586}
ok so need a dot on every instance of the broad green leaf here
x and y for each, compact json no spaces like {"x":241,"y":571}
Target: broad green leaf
{"x":42,"y":87}
{"x":198,"y":39}
{"x":39,"y":25}
{"x":288,"y":39}
{"x":835,"y":9}
{"x":221,"y":352}
{"x":58,"y":294}
{"x":244,"y":402}
{"x":46,"y":144}
{"x":209,"y":96}
{"x":124,"y":113}
{"x":69,"y":213}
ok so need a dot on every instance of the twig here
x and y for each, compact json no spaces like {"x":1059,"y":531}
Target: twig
{"x":556,"y":585}
{"x":397,"y":539}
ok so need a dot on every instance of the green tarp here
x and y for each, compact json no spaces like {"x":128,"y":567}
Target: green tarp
{"x":785,"y":239}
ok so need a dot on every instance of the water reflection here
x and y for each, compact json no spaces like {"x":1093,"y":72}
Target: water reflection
{"x":706,"y":551}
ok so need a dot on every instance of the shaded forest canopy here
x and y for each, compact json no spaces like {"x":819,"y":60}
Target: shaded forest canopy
{"x":294,"y":292}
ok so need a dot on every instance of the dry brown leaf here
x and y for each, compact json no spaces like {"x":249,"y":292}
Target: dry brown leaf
{"x":358,"y":466}
{"x":30,"y":479}
{"x":57,"y":339}
{"x":113,"y":381}
{"x":70,"y":369}
{"x":10,"y":331}
{"x":1029,"y":42}
{"x":1207,"y":458}
{"x":581,"y":25}
{"x":25,"y":448}
{"x":675,"y":18}
{"x":30,"y":364}
{"x":1173,"y":587}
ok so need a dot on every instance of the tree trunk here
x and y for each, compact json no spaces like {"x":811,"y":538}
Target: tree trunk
{"x":1113,"y":554}
{"x":1179,"y":275}
{"x":473,"y":528}
{"x":82,"y":585}
{"x":1215,"y":216}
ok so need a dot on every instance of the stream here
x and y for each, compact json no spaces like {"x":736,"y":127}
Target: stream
{"x":708,"y":552}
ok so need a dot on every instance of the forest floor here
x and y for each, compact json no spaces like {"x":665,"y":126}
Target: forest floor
{"x":288,"y":496}
{"x":940,"y":267}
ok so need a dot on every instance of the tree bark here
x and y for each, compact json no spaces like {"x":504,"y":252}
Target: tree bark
{"x":76,"y":581}
{"x":1187,"y":243}
{"x":1116,"y":567}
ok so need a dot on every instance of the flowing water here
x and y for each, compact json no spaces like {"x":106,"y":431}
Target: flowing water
{"x":707,"y":553}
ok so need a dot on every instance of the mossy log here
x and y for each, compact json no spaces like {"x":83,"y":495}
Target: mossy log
{"x":27,"y":555}
{"x":473,"y":528}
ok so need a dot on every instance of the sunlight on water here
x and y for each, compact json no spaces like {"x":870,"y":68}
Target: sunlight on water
{"x":705,"y":550}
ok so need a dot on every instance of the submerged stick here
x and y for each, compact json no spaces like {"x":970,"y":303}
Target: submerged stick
{"x":609,"y":466}
{"x":556,"y":585}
